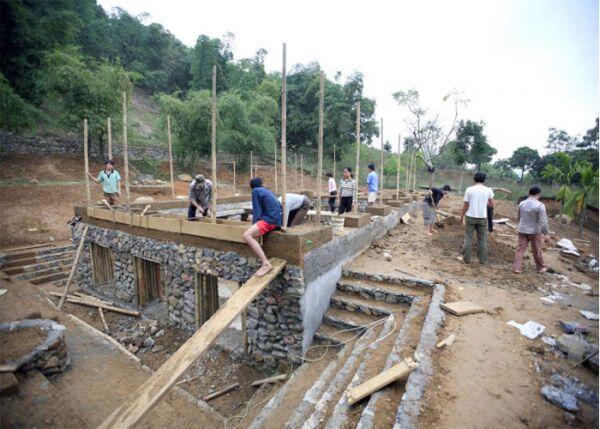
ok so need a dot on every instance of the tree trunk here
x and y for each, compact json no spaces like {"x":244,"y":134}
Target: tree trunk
{"x":522,"y":174}
{"x":462,"y":173}
{"x":581,"y":221}
{"x":431,"y":179}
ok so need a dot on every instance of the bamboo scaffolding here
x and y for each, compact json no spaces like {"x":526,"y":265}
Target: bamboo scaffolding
{"x":302,"y":172}
{"x":275,"y":162}
{"x":381,"y":173}
{"x":234,"y":179}
{"x":73,"y":267}
{"x":296,"y":170}
{"x":283,"y":137}
{"x":125,"y":152}
{"x":213,"y":143}
{"x":334,"y":178}
{"x":320,"y":146}
{"x":398,"y":168}
{"x":109,"y":128}
{"x":170,"y":156}
{"x":356,"y":173}
{"x":86,"y":163}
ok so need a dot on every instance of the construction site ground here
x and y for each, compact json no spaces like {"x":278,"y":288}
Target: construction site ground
{"x":490,"y":376}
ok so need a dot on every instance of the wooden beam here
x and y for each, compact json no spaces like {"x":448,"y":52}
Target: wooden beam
{"x":103,"y":319}
{"x":275,"y":165}
{"x":125,"y":151}
{"x":109,"y":128}
{"x":296,"y":169}
{"x":220,"y":392}
{"x":86,"y":163}
{"x":398,"y":168}
{"x":234,"y":179}
{"x":170,"y":156}
{"x":150,"y":392}
{"x":302,"y":172}
{"x":320,"y":146}
{"x":356,"y":173}
{"x":394,"y":373}
{"x":283,"y":138}
{"x":74,"y":267}
{"x":381,"y":172}
{"x":268,"y":380}
{"x":213,"y":143}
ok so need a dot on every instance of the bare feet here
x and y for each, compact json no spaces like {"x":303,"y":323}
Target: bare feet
{"x":517,"y":272}
{"x":429,"y":233}
{"x":264,"y":269}
{"x":461,"y":259}
{"x":542,"y":270}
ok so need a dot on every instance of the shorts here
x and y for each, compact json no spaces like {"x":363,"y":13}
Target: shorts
{"x":371,"y":197}
{"x":428,"y":214}
{"x":111,"y":198}
{"x":264,"y":227}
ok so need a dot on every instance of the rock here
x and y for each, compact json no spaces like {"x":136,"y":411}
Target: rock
{"x":575,"y":346}
{"x":560,"y":398}
{"x":143,"y":200}
{"x":569,"y":418}
{"x":185,"y":177}
{"x":157,"y":348}
{"x":160,"y":333}
{"x":573,"y":327}
{"x":133,"y":349}
{"x":34,"y":181}
{"x":387,"y":256}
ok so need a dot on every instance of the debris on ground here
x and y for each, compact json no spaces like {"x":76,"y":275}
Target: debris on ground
{"x":573,"y":327}
{"x":560,"y":398}
{"x":530,"y":329}
{"x":462,"y":308}
{"x":567,"y":247}
{"x":573,"y":386}
{"x":446,"y":341}
{"x":589,"y":315}
{"x":574,"y":346}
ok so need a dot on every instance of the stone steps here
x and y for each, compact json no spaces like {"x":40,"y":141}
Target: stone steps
{"x":32,"y":258}
{"x":334,"y":335}
{"x":390,"y":293}
{"x":35,"y":253}
{"x":67,"y":260}
{"x":44,"y":272}
{"x":408,"y":284}
{"x":356,"y":303}
{"x":343,"y":319}
{"x":51,"y":277}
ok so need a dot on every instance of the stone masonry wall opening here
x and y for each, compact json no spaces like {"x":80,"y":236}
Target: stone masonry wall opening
{"x":102,"y":264}
{"x":150,"y":281}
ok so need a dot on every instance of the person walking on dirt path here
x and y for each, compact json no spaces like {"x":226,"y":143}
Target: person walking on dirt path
{"x":477,"y":199}
{"x":347,"y":191}
{"x":111,"y":182}
{"x":332,"y":188}
{"x":296,"y":206}
{"x":533,"y":222}
{"x":372,"y":185}
{"x":200,"y":197}
{"x":266,"y":217}
{"x":431,"y":202}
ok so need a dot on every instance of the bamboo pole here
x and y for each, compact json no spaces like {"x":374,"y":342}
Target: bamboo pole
{"x":320,"y":146}
{"x":356,"y":173}
{"x":302,"y":172}
{"x":109,"y":125}
{"x":296,"y":170}
{"x":398,"y":169}
{"x":170,"y":156}
{"x":408,"y":164}
{"x":414,"y":186}
{"x":381,"y":174}
{"x":283,"y":137}
{"x":275,"y":167}
{"x":125,"y":156}
{"x":233,"y":177}
{"x":251,"y":165}
{"x":213,"y":143}
{"x":86,"y":163}
{"x":334,"y":178}
{"x":73,"y":268}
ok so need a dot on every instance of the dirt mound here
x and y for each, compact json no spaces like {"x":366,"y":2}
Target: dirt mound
{"x":451,"y":239}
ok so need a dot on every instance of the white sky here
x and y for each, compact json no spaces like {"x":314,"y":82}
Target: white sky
{"x":526,"y":65}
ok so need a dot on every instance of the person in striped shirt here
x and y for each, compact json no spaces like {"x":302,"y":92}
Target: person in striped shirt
{"x":347,"y":191}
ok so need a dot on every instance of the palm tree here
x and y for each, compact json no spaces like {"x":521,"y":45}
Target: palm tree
{"x":561,"y":173}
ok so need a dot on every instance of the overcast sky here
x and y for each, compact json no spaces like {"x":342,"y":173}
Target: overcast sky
{"x":526,"y":65}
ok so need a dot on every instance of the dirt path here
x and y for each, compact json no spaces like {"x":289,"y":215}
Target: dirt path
{"x":491,"y":376}
{"x":98,"y":380}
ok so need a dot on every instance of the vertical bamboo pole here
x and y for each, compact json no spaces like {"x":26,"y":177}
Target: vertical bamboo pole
{"x":414,"y":184}
{"x":283,"y":137}
{"x":86,"y":163}
{"x":334,"y":178}
{"x":125,"y":151}
{"x":296,"y":169}
{"x":170,"y":156}
{"x":213,"y":143}
{"x":381,"y":173}
{"x":109,"y":125}
{"x":302,"y":172}
{"x":251,"y":165}
{"x":275,"y":166}
{"x":320,"y":146}
{"x":398,"y":169}
{"x":356,"y":173}
{"x":234,"y":177}
{"x":408,"y":164}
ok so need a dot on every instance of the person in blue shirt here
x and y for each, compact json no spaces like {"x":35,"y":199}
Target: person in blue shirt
{"x":266,"y":217}
{"x":372,"y":185}
{"x":111,"y":182}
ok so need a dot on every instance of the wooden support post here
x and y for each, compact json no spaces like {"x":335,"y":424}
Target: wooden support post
{"x":86,"y":163}
{"x":320,"y":146}
{"x":213,"y":143}
{"x":381,"y":173}
{"x":414,"y":184}
{"x":73,"y":268}
{"x":103,"y":319}
{"x":158,"y":383}
{"x":296,"y":169}
{"x":244,"y":319}
{"x":334,"y":178}
{"x":356,"y":173}
{"x":234,"y":179}
{"x":275,"y":167}
{"x":125,"y":156}
{"x":283,"y":138}
{"x":407,"y":173}
{"x":251,"y":165}
{"x":302,"y":172}
{"x":109,"y":126}
{"x":398,"y":168}
{"x":170,"y":156}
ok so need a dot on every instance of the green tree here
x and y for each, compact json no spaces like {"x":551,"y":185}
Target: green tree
{"x":524,"y":158}
{"x":590,"y":139}
{"x":561,"y":172}
{"x":470,"y":139}
{"x":15,"y":113}
{"x":560,"y":141}
{"x":206,"y":53}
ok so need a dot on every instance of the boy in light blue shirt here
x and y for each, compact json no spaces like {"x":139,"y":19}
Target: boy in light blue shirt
{"x":111,"y":182}
{"x":372,"y":185}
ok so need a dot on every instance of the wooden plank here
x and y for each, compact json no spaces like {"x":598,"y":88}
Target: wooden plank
{"x":74,"y":267}
{"x":394,"y":373}
{"x":273,"y":379}
{"x":217,"y":231}
{"x":163,"y":223}
{"x":101,"y":213}
{"x":148,"y":394}
{"x":98,"y":304}
{"x":220,"y":392}
{"x":461,"y":308}
{"x":101,"y":313}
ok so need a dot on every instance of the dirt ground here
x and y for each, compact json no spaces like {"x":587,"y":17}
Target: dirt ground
{"x":491,"y":376}
{"x":40,"y":212}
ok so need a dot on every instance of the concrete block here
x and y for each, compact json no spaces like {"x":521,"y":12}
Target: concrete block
{"x":356,"y":220}
{"x":379,"y":210}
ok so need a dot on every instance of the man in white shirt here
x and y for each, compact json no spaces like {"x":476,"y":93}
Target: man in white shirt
{"x":296,"y":206}
{"x":477,"y":199}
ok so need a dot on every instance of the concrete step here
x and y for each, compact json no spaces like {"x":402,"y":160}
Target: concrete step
{"x":408,"y":284}
{"x":31,"y":275}
{"x":51,"y":277}
{"x":39,"y":258}
{"x":36,"y":253}
{"x":335,"y":336}
{"x":356,"y":303}
{"x":384,"y":292}
{"x":343,"y":319}
{"x":39,"y":266}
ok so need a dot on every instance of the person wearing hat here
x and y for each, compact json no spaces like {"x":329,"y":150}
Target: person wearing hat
{"x":200,"y":196}
{"x":111,"y":182}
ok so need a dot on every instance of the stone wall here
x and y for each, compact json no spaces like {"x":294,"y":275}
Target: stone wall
{"x":33,"y":145}
{"x":274,"y":322}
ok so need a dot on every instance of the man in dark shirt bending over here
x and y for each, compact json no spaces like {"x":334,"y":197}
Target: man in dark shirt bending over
{"x":266,"y":217}
{"x":431,"y":203}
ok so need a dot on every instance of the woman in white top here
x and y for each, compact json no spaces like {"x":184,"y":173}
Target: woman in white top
{"x":332,"y":188}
